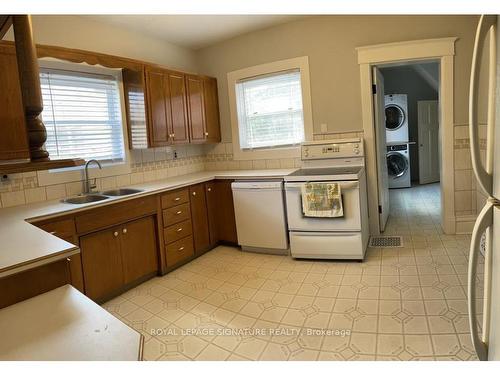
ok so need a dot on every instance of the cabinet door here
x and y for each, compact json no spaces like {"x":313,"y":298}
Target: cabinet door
{"x":199,"y":218}
{"x":226,"y":219}
{"x":102,"y":263}
{"x":195,"y":109}
{"x":158,"y":126}
{"x":14,"y":138}
{"x":212,"y":208}
{"x":139,"y":249}
{"x":178,"y":111}
{"x":135,"y":108}
{"x":211,"y":106}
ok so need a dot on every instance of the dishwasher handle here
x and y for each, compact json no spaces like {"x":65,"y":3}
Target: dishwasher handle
{"x":343,"y":185}
{"x":257,"y":185}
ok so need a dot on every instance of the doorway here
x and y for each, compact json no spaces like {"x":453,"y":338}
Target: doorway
{"x":412,"y":137}
{"x":371,"y":60}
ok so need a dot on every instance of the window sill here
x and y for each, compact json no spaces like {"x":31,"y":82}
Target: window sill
{"x":269,"y":153}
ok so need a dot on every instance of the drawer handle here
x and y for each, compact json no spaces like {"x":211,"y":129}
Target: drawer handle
{"x":180,"y":248}
{"x":124,"y":230}
{"x":178,"y":212}
{"x":115,"y":234}
{"x":179,"y":230}
{"x":68,"y":259}
{"x":53,"y":233}
{"x":177,"y":199}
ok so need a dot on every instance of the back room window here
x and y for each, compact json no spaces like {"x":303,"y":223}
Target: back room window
{"x":270,"y":110}
{"x":82,"y":114}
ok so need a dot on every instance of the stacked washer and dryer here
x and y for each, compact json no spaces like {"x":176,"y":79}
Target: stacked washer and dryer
{"x":397,"y":139}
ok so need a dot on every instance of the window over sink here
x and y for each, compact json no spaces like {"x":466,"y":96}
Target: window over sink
{"x":82,"y":114}
{"x":270,"y":109}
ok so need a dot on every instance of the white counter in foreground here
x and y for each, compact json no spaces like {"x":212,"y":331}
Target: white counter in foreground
{"x":64,"y":325}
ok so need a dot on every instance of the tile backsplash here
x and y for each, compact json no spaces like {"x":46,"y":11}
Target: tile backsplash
{"x":147,"y":165}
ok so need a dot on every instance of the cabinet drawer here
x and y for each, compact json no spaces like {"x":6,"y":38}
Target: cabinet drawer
{"x":177,"y":231}
{"x":176,"y":214}
{"x":117,"y":213}
{"x":174,"y":198}
{"x":64,"y":229}
{"x":179,"y":250}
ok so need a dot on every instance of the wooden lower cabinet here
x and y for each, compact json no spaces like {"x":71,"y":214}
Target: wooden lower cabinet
{"x":102,"y":263}
{"x":212,"y":208}
{"x":199,"y":218}
{"x":225,"y":213}
{"x":115,"y":257}
{"x":139,"y":250}
{"x":27,"y":284}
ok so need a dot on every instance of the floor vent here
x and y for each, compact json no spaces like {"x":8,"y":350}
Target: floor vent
{"x":386,"y":241}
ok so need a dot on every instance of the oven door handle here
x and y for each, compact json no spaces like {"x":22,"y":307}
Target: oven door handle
{"x":343,"y":185}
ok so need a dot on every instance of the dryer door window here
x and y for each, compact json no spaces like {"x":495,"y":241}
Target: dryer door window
{"x":397,"y":164}
{"x":394,"y":117}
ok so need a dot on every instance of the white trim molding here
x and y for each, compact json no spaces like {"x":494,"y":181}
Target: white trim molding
{"x":442,"y":50}
{"x":301,"y":63}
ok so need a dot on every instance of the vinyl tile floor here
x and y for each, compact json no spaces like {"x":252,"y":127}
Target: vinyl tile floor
{"x":406,"y":303}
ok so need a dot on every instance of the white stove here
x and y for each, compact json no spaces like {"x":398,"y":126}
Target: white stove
{"x":345,"y":237}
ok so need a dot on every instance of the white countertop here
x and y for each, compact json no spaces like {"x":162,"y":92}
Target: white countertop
{"x":63,"y":324}
{"x":24,"y":246}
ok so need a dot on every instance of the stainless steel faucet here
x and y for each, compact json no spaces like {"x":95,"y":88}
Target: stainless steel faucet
{"x":88,"y":186}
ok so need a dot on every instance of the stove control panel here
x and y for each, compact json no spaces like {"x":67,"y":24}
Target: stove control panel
{"x":341,"y":148}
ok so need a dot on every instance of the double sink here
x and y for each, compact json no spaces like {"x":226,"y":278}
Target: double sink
{"x":96,"y":197}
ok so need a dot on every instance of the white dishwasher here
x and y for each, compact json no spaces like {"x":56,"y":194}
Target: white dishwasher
{"x":259,"y":208}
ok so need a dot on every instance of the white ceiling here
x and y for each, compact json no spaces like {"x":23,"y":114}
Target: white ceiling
{"x":193,"y":31}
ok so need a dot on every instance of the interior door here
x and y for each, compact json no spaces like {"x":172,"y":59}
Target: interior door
{"x":428,"y":141}
{"x":382,"y":175}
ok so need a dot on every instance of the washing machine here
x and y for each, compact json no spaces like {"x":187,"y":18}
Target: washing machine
{"x":396,"y":118}
{"x":398,"y":166}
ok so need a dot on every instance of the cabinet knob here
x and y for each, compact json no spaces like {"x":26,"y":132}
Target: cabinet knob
{"x":180,"y":248}
{"x":178,"y":212}
{"x":194,"y":193}
{"x":206,"y":134}
{"x":124,"y":230}
{"x":115,"y":234}
{"x":179,"y":230}
{"x":209,"y":189}
{"x":68,"y":259}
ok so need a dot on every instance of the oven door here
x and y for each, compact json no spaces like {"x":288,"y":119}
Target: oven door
{"x":351,"y":221}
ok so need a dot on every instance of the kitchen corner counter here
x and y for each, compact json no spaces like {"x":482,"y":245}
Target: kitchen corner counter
{"x":63,"y":324}
{"x":24,"y":246}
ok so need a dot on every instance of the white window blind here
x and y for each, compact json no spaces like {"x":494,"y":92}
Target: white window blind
{"x":82,"y":115}
{"x":270,"y":110}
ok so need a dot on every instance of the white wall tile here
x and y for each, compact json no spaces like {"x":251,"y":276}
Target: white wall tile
{"x":35,"y":195}
{"x":13,"y":198}
{"x":55,"y":191}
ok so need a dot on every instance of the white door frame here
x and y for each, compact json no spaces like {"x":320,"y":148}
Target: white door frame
{"x":443,"y":50}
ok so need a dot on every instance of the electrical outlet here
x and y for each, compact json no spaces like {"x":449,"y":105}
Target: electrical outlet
{"x":324,"y":128}
{"x":4,"y":178}
{"x":175,"y":154}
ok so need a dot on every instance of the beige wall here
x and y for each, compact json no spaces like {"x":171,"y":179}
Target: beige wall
{"x":84,"y":33}
{"x":330,"y":43}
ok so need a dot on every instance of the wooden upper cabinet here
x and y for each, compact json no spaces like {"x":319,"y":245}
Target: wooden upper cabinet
{"x":211,"y":105}
{"x":14,"y":138}
{"x":157,"y":102}
{"x":196,"y":110}
{"x":177,"y":107}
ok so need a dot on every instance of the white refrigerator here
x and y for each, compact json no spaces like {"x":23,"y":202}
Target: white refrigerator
{"x":486,"y":341}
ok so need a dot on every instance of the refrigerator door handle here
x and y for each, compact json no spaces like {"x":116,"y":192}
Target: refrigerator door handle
{"x":484,"y":220}
{"x":483,"y":176}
